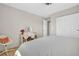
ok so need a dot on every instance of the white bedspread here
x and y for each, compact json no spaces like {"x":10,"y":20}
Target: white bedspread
{"x":51,"y":46}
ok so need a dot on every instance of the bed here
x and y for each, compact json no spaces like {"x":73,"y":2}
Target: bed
{"x":51,"y":46}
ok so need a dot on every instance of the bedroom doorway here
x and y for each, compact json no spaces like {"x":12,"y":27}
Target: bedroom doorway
{"x":46,"y":27}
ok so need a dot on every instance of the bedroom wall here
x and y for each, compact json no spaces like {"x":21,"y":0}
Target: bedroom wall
{"x":13,"y":20}
{"x":68,"y":25}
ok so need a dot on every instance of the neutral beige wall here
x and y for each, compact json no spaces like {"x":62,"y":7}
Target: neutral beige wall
{"x":12,"y":20}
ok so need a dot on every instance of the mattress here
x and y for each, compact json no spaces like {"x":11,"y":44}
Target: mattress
{"x":51,"y":46}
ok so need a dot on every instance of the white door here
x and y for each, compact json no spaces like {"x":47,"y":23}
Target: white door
{"x":46,"y":24}
{"x":68,"y":25}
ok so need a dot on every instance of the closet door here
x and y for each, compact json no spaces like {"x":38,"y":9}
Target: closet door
{"x":68,"y":25}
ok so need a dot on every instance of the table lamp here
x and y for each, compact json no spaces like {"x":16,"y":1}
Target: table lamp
{"x":4,"y":40}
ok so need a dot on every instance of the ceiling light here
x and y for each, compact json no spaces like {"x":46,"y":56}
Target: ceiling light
{"x":48,"y":4}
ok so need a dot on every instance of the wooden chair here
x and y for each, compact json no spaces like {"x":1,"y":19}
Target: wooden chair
{"x":9,"y":52}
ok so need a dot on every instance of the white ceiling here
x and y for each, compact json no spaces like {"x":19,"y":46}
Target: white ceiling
{"x":41,"y":9}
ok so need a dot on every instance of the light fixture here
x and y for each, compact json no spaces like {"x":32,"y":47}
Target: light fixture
{"x":4,"y":40}
{"x":48,"y":4}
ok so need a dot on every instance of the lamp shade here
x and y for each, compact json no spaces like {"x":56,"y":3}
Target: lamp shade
{"x":4,"y":39}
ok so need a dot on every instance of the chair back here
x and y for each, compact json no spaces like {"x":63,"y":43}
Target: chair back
{"x":9,"y":52}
